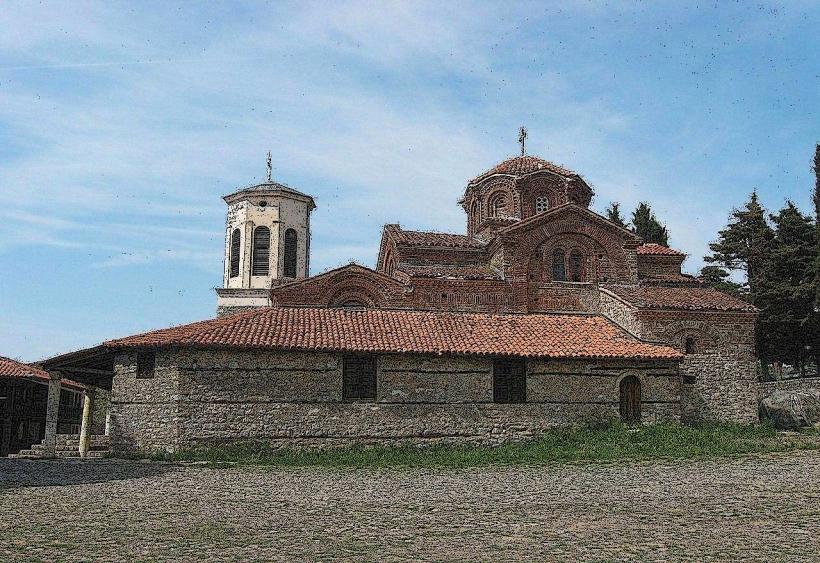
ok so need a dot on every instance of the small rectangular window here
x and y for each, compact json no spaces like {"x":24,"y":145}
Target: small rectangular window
{"x":146,"y":361}
{"x":359,"y":377}
{"x":509,"y":381}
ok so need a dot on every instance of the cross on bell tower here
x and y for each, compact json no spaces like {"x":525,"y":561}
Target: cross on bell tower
{"x":522,"y":138}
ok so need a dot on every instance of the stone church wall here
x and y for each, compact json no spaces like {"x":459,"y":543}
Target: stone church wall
{"x":719,"y":378}
{"x":294,"y":399}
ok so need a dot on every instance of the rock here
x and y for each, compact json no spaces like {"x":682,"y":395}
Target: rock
{"x":791,"y":409}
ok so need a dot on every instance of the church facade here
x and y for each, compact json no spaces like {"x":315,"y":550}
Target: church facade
{"x":541,"y":313}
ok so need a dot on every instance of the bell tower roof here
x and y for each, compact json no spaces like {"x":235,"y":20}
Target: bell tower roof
{"x":269,"y":188}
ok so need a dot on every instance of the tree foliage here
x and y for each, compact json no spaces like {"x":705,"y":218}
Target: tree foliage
{"x":719,"y":278}
{"x":613,"y":213}
{"x":647,"y":226}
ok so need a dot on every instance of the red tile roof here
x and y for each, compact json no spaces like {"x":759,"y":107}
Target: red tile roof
{"x":428,"y":238}
{"x":13,"y":368}
{"x":654,"y":249}
{"x":521,"y":166}
{"x":681,"y":298}
{"x":423,"y":332}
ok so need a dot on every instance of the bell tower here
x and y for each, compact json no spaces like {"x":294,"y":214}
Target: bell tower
{"x":267,"y":243}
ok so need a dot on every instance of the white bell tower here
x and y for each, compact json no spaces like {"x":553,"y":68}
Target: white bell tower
{"x":267,"y":243}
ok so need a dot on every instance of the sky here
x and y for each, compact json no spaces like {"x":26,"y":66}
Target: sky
{"x":123,"y":124}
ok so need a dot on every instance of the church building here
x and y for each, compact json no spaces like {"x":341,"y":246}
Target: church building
{"x":541,"y":313}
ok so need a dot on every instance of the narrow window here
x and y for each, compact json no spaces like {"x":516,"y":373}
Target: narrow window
{"x":509,"y":381}
{"x":559,"y":271}
{"x":290,"y":253}
{"x":146,"y":361}
{"x":542,"y":204}
{"x":235,"y":246}
{"x":689,"y":345}
{"x":359,"y":377}
{"x":261,"y":251}
{"x":575,"y":266}
{"x":498,"y":206}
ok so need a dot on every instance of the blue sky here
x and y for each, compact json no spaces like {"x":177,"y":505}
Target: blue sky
{"x":123,"y":124}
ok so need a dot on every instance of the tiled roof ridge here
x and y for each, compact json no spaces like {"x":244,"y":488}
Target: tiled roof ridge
{"x":655,"y":249}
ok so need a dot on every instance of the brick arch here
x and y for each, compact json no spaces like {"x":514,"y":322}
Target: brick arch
{"x":532,"y":188}
{"x":540,"y":262}
{"x":353,"y":288}
{"x":499,"y":185}
{"x":527,"y":246}
{"x":706,"y":337}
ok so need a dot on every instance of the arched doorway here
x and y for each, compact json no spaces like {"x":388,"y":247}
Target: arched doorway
{"x":630,"y":399}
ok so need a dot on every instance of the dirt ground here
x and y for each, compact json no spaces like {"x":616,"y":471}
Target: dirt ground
{"x":764,"y":508}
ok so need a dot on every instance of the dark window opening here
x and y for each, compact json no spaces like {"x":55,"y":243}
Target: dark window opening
{"x":559,"y":271}
{"x":689,"y":345}
{"x":291,"y":240}
{"x":235,"y":247}
{"x":261,"y":251}
{"x":509,"y":381}
{"x":575,"y":266}
{"x":359,"y":377}
{"x":146,"y":362}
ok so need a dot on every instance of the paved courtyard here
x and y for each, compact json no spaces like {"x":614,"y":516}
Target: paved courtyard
{"x":763,"y":508}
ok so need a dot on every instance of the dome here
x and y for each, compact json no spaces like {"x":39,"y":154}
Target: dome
{"x":521,"y":166}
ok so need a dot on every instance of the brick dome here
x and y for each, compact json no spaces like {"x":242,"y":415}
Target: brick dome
{"x":521,"y":166}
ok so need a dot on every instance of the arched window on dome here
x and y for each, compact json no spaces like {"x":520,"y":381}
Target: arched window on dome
{"x":497,"y":205}
{"x":559,"y":271}
{"x":291,"y":240}
{"x":576,"y":266}
{"x":542,"y":204}
{"x":236,"y":244}
{"x":261,"y":252}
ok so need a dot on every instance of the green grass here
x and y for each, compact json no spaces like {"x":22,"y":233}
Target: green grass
{"x":615,"y":442}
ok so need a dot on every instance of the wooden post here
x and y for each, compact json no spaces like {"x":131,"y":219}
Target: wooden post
{"x":85,"y":427}
{"x":5,"y":438}
{"x":52,"y":413}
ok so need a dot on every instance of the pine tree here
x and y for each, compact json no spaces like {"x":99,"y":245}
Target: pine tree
{"x":613,"y":213}
{"x":815,"y":343}
{"x":742,"y":246}
{"x":647,"y":226}
{"x":786,"y":291}
{"x":718,"y":278}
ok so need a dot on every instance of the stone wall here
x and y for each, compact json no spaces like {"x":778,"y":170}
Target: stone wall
{"x":294,"y":399}
{"x":766,"y":388}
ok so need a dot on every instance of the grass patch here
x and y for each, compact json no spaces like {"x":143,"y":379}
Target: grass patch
{"x":615,"y":442}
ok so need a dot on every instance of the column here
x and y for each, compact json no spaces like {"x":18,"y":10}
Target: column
{"x":52,"y":412}
{"x":85,"y":427}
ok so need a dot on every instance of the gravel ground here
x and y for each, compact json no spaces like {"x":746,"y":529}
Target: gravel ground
{"x":758,"y":508}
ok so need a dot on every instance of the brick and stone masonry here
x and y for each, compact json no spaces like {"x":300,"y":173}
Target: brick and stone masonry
{"x":205,"y":397}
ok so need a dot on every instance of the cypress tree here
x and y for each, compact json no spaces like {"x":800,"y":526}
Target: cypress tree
{"x":742,"y":246}
{"x":613,"y":213}
{"x":786,"y":287}
{"x":718,"y":278}
{"x":647,"y":226}
{"x":815,"y":344}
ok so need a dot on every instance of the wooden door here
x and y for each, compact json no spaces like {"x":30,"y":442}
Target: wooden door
{"x":630,"y":399}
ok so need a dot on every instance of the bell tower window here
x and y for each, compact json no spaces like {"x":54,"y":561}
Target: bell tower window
{"x":261,"y":251}
{"x":542,"y":204}
{"x":291,"y":240}
{"x":236,"y":243}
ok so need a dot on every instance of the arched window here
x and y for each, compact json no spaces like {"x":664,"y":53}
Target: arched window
{"x":261,"y":251}
{"x":542,"y":203}
{"x":575,"y":266}
{"x":559,"y":271}
{"x":689,"y":345}
{"x":497,"y":205}
{"x":290,"y":253}
{"x":236,"y":244}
